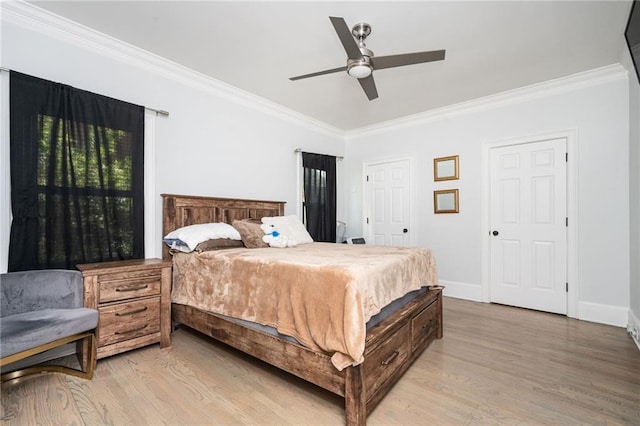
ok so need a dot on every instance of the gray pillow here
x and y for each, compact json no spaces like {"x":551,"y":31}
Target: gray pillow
{"x":218,"y":244}
{"x":251,"y":233}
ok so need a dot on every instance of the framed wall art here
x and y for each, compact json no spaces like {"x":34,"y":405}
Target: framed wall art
{"x":446,"y":168}
{"x":445,"y":201}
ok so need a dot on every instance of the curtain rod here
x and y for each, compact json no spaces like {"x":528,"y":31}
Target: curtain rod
{"x":300,"y":150}
{"x":157,"y":111}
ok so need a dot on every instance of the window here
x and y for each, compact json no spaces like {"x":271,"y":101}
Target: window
{"x":319,"y":209}
{"x":77,"y":176}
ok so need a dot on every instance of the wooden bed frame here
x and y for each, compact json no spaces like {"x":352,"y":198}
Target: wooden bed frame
{"x":390,"y":346}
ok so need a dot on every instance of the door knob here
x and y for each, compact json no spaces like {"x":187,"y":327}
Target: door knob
{"x":495,"y":233}
{"x":405,"y":230}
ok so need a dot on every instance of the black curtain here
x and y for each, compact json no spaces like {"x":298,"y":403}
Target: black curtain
{"x":77,"y":176}
{"x":320,"y":196}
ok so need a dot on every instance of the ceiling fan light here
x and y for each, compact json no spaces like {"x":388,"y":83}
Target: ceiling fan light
{"x":359,"y":70}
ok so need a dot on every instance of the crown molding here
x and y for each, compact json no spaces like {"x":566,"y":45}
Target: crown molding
{"x":535,"y":91}
{"x":28,"y":16}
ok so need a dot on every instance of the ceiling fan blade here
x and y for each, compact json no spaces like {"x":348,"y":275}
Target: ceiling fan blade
{"x":347,"y":40}
{"x":314,"y":74}
{"x":369,"y":87}
{"x":382,"y":62}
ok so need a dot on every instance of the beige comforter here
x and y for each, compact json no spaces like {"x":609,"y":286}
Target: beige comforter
{"x":322,"y":294}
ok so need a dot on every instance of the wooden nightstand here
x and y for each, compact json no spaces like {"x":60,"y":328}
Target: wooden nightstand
{"x":133,"y":298}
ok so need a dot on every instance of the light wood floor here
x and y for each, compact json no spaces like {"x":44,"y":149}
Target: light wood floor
{"x":495,"y":365}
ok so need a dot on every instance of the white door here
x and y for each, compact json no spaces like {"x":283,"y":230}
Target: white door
{"x":528,"y":222}
{"x":388,"y":203}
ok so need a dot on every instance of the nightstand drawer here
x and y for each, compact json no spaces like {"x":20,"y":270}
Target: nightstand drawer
{"x":129,"y":288}
{"x":125,"y":321}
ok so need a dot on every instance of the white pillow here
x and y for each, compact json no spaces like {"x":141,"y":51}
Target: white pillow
{"x":290,"y":227}
{"x":187,"y":238}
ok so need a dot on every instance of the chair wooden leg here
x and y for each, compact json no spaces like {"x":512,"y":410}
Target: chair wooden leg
{"x":87,"y":362}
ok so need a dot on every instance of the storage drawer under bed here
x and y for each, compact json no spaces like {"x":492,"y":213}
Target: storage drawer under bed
{"x":424,"y":325}
{"x":391,"y":357}
{"x":382,"y":362}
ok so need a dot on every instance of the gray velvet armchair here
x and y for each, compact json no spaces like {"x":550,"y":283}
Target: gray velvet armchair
{"x":41,"y":310}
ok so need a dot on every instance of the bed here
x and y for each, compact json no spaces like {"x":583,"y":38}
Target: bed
{"x":390,"y":346}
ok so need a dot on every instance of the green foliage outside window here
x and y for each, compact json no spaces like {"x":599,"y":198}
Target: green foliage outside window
{"x":69,"y":157}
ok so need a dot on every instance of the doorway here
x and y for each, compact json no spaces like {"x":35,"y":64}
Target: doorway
{"x":388,"y":203}
{"x":528,"y":242}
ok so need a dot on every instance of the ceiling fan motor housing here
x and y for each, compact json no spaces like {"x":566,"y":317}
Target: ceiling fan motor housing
{"x":360,"y":68}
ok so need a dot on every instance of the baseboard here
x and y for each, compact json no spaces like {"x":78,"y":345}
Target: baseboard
{"x":603,"y":314}
{"x":633,"y":327}
{"x":587,"y":311}
{"x":460,"y":290}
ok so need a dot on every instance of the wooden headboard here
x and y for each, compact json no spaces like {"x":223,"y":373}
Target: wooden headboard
{"x":184,"y":210}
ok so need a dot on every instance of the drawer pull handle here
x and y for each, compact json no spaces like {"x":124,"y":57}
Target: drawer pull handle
{"x":391,"y":357}
{"x":135,"y":311}
{"x":140,"y":287}
{"x":133,"y":330}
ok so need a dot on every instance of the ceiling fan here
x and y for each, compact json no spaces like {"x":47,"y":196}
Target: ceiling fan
{"x":361,"y":62}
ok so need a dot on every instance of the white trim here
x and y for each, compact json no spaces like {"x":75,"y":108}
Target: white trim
{"x":603,"y":314}
{"x":573,"y":244}
{"x":151,"y":247}
{"x":460,"y":290}
{"x":633,"y":327}
{"x":572,"y":213}
{"x":5,"y":174}
{"x":299,"y":184}
{"x":523,"y":94}
{"x":36,"y":19}
{"x":366,"y":229}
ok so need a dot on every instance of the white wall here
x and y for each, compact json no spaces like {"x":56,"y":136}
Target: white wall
{"x":634,"y":194}
{"x":216,"y":141}
{"x":594,"y":107}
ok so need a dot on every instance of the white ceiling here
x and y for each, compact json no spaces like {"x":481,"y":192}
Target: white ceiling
{"x":491,"y":47}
